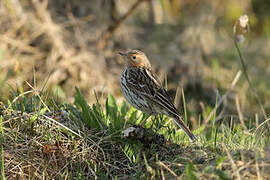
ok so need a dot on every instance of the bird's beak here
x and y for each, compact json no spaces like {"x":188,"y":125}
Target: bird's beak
{"x":123,"y":54}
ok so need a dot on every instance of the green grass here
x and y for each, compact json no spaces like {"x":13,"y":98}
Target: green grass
{"x":2,"y":149}
{"x":44,"y":140}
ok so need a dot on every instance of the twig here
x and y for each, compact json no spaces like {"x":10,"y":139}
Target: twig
{"x":266,"y":121}
{"x":248,"y":79}
{"x":224,"y":96}
{"x":15,"y":99}
{"x":234,"y":167}
{"x":240,"y":114}
{"x":110,"y":30}
{"x":168,"y":169}
{"x":59,"y":124}
{"x":258,"y":169}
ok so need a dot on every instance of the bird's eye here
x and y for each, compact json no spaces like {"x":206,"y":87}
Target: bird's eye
{"x":133,"y":57}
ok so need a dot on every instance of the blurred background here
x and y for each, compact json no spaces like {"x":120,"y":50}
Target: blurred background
{"x":57,"y":45}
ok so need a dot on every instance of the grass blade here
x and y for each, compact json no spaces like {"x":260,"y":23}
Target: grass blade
{"x":2,"y":149}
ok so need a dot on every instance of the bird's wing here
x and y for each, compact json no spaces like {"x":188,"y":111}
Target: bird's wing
{"x":147,"y":84}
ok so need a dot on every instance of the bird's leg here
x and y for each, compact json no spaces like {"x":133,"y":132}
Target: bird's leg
{"x":143,"y":122}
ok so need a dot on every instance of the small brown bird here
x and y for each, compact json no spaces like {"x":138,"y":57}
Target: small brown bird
{"x":143,"y":89}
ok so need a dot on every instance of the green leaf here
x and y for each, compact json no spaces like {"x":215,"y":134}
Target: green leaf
{"x":111,"y":107}
{"x":90,"y":118}
{"x":36,"y":115}
{"x":221,"y":174}
{"x":116,"y":120}
{"x":132,"y":152}
{"x":123,"y":109}
{"x":219,"y":161}
{"x":190,"y":172}
{"x":132,"y":117}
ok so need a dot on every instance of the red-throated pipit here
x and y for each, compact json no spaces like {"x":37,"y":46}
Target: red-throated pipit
{"x":143,"y":89}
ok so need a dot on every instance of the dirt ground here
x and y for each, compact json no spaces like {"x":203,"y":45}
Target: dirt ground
{"x":57,"y":45}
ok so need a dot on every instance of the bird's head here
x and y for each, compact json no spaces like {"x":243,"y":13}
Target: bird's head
{"x":136,"y":58}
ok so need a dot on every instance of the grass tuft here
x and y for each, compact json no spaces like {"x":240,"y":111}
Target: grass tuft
{"x":79,"y":141}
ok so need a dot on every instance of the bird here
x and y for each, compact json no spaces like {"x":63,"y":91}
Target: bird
{"x":143,"y":89}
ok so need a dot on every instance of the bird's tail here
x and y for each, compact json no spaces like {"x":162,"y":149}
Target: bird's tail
{"x":180,"y":123}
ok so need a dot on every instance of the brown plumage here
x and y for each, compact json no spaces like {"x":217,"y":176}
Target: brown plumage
{"x":144,"y":91}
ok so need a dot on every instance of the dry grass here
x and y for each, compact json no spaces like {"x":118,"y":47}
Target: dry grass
{"x":42,"y":149}
{"x":42,"y":142}
{"x":32,"y":37}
